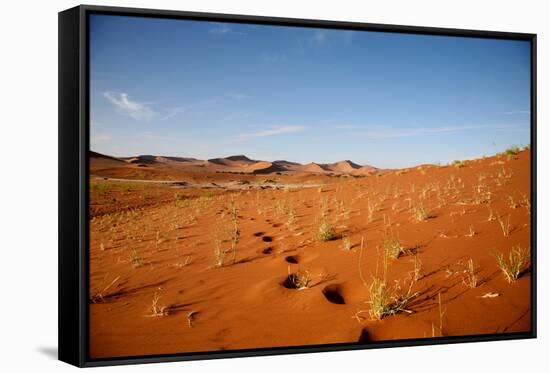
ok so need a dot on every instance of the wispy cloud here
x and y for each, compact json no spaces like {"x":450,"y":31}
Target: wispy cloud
{"x":272,"y":131}
{"x":237,"y":96}
{"x":319,"y":36}
{"x":409,"y":132}
{"x":517,"y":112}
{"x":136,"y":110}
{"x":172,"y":112}
{"x":224,"y":29}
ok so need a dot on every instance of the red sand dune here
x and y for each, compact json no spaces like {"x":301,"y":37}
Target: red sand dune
{"x":230,"y":164}
{"x":314,"y":168}
{"x":344,"y":166}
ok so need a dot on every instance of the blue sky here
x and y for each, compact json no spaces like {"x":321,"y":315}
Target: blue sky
{"x":206,"y":90}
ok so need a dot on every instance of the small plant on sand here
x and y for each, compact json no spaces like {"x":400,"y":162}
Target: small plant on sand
{"x":178,"y":196}
{"x":491,"y":216}
{"x":458,"y":164}
{"x":226,"y":231}
{"x":280,"y":207}
{"x":503,"y":175}
{"x":515,"y":264}
{"x":417,"y":268}
{"x":471,"y":232}
{"x":291,"y":218}
{"x":219,"y":252}
{"x":511,"y":152}
{"x":219,"y":255}
{"x":441,"y":314}
{"x":299,"y":280}
{"x":325,"y":209}
{"x":513,"y":203}
{"x":101,"y":295}
{"x":346,"y":244}
{"x":136,"y":259}
{"x":370,"y":210}
{"x":526,"y":203}
{"x":392,"y":247}
{"x":235,"y":232}
{"x":420,"y":213}
{"x":155,"y":310}
{"x":470,"y":278}
{"x":386,"y":300}
{"x":325,"y":231}
{"x":158,"y":241}
{"x":505,"y":226}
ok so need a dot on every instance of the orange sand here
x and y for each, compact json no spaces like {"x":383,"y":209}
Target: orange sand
{"x":157,"y":239}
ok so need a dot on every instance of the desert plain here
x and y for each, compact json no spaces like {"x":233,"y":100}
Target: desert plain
{"x":189,"y":255}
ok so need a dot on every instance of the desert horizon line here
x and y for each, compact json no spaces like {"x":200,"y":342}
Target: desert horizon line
{"x":254,"y":159}
{"x":303,"y":163}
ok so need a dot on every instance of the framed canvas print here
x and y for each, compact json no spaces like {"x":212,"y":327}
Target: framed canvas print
{"x":238,"y":186}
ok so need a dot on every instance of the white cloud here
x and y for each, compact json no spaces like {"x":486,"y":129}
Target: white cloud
{"x":319,"y":36}
{"x":517,"y":112}
{"x":324,"y":37}
{"x":136,"y":110}
{"x":172,"y":112}
{"x":223,"y":29}
{"x":273,"y":131}
{"x":409,"y":132}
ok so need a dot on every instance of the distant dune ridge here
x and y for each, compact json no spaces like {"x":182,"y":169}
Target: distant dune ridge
{"x":235,"y":163}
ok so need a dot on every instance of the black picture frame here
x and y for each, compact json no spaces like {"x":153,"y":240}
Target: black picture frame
{"x":73,"y":182}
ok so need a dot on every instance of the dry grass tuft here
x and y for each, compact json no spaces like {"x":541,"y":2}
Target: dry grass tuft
{"x":458,"y":164}
{"x":155,"y":310}
{"x":417,"y":268}
{"x":325,"y":231}
{"x":470,"y":278}
{"x":420,"y":213}
{"x":136,"y":259}
{"x":511,"y":152}
{"x":517,"y":262}
{"x":299,"y":280}
{"x":100,"y":296}
{"x":392,"y":247}
{"x":346,"y":243}
{"x":505,"y":226}
{"x":386,"y":300}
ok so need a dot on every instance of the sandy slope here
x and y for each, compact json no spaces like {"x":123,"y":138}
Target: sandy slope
{"x":152,"y":241}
